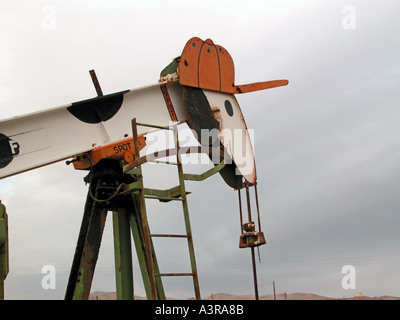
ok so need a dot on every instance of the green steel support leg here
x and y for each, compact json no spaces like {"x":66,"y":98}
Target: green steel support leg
{"x":90,"y":253}
{"x":155,"y":285}
{"x":159,"y":284}
{"x":123,"y":255}
{"x":147,"y":245}
{"x":73,"y":276}
{"x":137,"y":240}
{"x":3,"y":248}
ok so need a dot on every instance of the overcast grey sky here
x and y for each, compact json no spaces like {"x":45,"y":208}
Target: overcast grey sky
{"x":327,"y":145}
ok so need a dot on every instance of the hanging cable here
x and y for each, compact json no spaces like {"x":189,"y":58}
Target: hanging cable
{"x":116,"y":193}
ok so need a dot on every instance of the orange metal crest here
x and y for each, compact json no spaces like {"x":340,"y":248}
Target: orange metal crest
{"x":208,"y":66}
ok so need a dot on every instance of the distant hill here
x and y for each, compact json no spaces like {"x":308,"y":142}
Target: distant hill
{"x":99,"y":295}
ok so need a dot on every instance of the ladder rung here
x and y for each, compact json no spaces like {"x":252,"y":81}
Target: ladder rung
{"x":165,"y":162}
{"x":171,"y":235}
{"x":163,"y":198}
{"x":173,"y":274}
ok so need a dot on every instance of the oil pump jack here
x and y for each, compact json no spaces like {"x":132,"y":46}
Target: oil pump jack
{"x":105,"y":135}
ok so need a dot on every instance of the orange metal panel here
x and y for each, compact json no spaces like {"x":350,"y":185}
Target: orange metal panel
{"x":227,"y":70}
{"x":209,"y":76}
{"x":188,"y":64}
{"x":208,"y":66}
{"x":244,"y":88}
{"x":123,"y":149}
{"x":168,"y":102}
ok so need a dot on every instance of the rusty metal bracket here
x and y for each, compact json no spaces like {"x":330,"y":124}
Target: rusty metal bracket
{"x":4,"y":260}
{"x":250,"y":238}
{"x":96,"y":83}
{"x":206,"y":174}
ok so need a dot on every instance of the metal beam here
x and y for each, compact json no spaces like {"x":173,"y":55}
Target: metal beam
{"x":123,"y":255}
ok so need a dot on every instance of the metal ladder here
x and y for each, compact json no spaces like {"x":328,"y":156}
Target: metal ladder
{"x":154,"y":288}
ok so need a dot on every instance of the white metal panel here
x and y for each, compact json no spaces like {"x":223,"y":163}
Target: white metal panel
{"x":55,"y":134}
{"x":233,"y":132}
{"x":30,"y":141}
{"x":45,"y":137}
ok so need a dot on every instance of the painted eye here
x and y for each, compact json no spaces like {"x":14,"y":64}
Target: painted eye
{"x":228,"y":108}
{"x":6,"y":151}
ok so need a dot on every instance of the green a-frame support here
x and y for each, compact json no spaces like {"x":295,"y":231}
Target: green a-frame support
{"x":127,"y":203}
{"x":118,"y":188}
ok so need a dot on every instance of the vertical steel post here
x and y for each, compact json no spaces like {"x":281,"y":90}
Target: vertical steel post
{"x":258,"y":209}
{"x":248,"y":203}
{"x":253,"y":261}
{"x":138,"y":242}
{"x":253,"y":258}
{"x":3,"y":248}
{"x":240,"y":211}
{"x":123,"y":255}
{"x":96,"y":83}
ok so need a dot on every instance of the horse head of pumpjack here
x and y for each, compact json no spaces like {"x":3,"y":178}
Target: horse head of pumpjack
{"x":207,"y":73}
